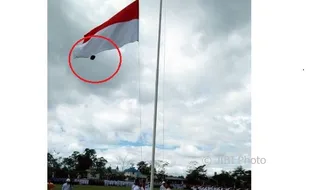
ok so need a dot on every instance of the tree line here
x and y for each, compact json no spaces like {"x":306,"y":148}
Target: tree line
{"x":238,"y":178}
{"x":82,"y":163}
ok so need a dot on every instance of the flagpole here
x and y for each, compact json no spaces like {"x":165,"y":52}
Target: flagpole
{"x":156,"y":98}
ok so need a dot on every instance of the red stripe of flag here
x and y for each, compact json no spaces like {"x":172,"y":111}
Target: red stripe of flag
{"x":129,"y":13}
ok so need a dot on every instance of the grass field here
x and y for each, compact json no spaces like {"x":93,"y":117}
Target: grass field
{"x":91,"y":187}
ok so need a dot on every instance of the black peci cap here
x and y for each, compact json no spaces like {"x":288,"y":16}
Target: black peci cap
{"x":92,"y":57}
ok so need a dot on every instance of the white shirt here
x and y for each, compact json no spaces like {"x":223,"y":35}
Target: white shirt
{"x":147,"y":187}
{"x":162,"y":187}
{"x":136,"y":187}
{"x":66,"y":186}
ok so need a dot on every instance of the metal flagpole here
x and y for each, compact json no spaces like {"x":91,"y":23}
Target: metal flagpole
{"x":156,"y":98}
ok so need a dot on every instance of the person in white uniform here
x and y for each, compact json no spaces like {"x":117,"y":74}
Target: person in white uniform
{"x":147,"y":186}
{"x":136,"y":185}
{"x":67,"y":185}
{"x":162,"y":187}
{"x":167,"y":186}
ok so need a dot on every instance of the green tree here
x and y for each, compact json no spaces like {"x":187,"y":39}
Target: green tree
{"x":144,"y":168}
{"x":99,"y":166}
{"x":197,"y":175}
{"x":76,"y":163}
{"x":238,"y":174}
{"x":161,"y":168}
{"x":53,"y":165}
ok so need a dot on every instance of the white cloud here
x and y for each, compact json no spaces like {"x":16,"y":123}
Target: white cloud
{"x":206,"y":109}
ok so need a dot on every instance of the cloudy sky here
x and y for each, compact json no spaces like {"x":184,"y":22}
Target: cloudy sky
{"x":205,"y":97}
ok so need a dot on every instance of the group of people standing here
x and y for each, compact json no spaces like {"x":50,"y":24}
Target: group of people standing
{"x":165,"y":186}
{"x":207,"y":187}
{"x":142,"y":185}
{"x":138,"y":185}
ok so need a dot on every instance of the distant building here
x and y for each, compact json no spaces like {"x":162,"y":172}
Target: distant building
{"x":92,"y":175}
{"x":115,"y":171}
{"x":175,"y":180}
{"x":133,"y":172}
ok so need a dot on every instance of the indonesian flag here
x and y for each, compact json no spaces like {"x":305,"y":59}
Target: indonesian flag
{"x":122,"y":28}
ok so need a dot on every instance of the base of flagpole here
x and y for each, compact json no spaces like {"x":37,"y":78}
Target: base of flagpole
{"x":92,"y":57}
